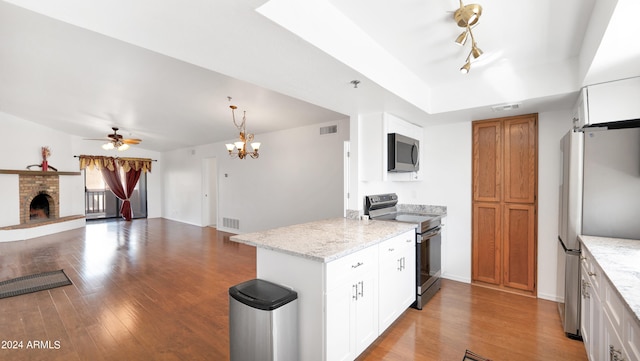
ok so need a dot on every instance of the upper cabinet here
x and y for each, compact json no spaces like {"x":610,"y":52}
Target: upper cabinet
{"x":373,"y":147}
{"x":613,"y":104}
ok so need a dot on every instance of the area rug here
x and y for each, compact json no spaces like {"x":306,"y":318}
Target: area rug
{"x":33,"y":283}
{"x":471,"y":356}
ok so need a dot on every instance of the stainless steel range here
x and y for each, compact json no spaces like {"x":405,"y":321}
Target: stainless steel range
{"x":428,"y":242}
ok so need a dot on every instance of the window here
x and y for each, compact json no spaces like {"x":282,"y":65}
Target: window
{"x":101,"y":203}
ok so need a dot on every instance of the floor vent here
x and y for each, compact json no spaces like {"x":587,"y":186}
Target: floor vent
{"x":231,"y":223}
{"x":330,"y":129}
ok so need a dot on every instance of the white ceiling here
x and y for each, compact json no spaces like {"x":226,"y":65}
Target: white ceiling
{"x":162,"y":71}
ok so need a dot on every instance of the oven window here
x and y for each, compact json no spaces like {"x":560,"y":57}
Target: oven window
{"x":430,"y":260}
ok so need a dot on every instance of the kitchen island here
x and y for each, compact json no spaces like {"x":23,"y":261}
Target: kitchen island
{"x":353,"y":279}
{"x":610,"y":284}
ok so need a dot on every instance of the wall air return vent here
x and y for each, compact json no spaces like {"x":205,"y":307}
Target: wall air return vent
{"x":330,"y":129}
{"x":230,"y":223}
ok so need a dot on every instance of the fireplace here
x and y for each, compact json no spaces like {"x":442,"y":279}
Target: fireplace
{"x":39,"y":198}
{"x":39,"y":207}
{"x":36,"y":211}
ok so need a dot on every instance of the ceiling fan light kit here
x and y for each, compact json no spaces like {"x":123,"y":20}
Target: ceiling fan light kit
{"x":116,"y":141}
{"x":466,"y":17}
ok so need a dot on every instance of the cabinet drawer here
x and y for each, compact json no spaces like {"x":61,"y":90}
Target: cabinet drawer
{"x":593,"y":272}
{"x":396,"y":244}
{"x":365,"y":260}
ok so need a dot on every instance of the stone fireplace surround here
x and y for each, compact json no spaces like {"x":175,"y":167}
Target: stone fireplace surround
{"x":31,"y":184}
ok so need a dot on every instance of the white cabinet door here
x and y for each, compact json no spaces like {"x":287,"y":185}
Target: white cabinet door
{"x":591,"y":315}
{"x":351,"y":304}
{"x":340,"y":316}
{"x":397,"y":277}
{"x":389,"y":274}
{"x":613,"y":101}
{"x":631,"y":337}
{"x":366,"y":311}
{"x":408,"y":289}
{"x":613,"y":349}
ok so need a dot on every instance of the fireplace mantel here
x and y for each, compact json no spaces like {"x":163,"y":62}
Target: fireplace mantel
{"x":36,"y":172}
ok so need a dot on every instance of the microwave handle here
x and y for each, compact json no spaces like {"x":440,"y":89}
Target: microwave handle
{"x":417,"y":160}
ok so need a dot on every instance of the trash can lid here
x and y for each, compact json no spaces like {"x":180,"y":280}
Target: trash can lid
{"x":261,"y":294}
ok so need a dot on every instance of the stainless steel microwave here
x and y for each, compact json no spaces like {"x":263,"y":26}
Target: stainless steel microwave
{"x":403,"y":153}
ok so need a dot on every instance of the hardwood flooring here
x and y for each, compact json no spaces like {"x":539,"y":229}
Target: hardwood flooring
{"x":158,"y":290}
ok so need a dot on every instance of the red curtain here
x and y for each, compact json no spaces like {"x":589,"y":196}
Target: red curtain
{"x":112,"y":178}
{"x":131,"y":179}
{"x":110,"y":168}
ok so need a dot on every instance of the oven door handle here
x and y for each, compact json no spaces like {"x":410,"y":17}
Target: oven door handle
{"x":434,"y":232}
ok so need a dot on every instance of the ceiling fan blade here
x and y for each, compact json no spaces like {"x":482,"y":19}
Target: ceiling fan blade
{"x":131,"y":141}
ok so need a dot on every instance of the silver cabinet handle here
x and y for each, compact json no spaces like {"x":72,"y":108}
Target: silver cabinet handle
{"x":399,"y":264}
{"x":585,"y":292}
{"x":361,"y":288}
{"x":615,"y":355}
{"x":355,"y":292}
{"x":391,"y":249}
{"x":357,"y":265}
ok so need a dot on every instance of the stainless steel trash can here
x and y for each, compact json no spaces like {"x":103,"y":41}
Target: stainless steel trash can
{"x":263,"y":322}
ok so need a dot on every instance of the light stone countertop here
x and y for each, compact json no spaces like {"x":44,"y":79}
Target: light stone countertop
{"x":325,"y":240}
{"x":620,"y":262}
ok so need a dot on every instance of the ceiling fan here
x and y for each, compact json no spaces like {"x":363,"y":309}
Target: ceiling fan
{"x":116,"y":141}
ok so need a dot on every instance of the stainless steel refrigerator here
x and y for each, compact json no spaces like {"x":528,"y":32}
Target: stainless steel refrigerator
{"x":599,"y":196}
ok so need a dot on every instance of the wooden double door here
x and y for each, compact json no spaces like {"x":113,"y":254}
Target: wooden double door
{"x":505,"y":173}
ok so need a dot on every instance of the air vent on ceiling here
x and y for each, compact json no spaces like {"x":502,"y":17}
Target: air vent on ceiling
{"x":329,"y":129}
{"x":502,"y":107}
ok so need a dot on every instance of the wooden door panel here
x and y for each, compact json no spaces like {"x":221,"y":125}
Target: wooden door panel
{"x":519,"y":246}
{"x":486,"y":245}
{"x":520,"y":159}
{"x":487,"y":159}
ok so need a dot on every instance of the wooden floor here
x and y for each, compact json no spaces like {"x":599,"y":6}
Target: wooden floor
{"x":158,"y":290}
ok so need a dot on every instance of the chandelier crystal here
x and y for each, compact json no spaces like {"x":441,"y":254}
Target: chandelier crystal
{"x":239,"y":148}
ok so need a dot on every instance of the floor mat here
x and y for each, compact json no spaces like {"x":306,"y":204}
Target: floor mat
{"x":471,"y":356}
{"x":33,"y":283}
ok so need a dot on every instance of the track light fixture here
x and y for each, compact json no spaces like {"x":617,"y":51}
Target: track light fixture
{"x":467,"y":16}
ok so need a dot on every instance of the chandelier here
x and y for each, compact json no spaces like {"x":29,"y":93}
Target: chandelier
{"x":467,"y":16}
{"x":239,"y":148}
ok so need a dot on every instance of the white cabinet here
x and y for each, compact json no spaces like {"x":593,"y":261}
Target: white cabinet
{"x":372,"y":152}
{"x":631,"y":337}
{"x":339,"y":302}
{"x":397,"y":277}
{"x":351,"y":304}
{"x":610,"y":331}
{"x":608,"y":102}
{"x":591,"y":314}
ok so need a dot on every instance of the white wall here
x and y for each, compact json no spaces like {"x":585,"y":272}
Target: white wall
{"x":552,"y":127}
{"x":297,"y":178}
{"x":446,"y":158}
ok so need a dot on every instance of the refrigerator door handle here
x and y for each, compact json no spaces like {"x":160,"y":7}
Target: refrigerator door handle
{"x":572,"y":252}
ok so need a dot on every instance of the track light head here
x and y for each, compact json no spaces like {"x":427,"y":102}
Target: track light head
{"x":462,"y":38}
